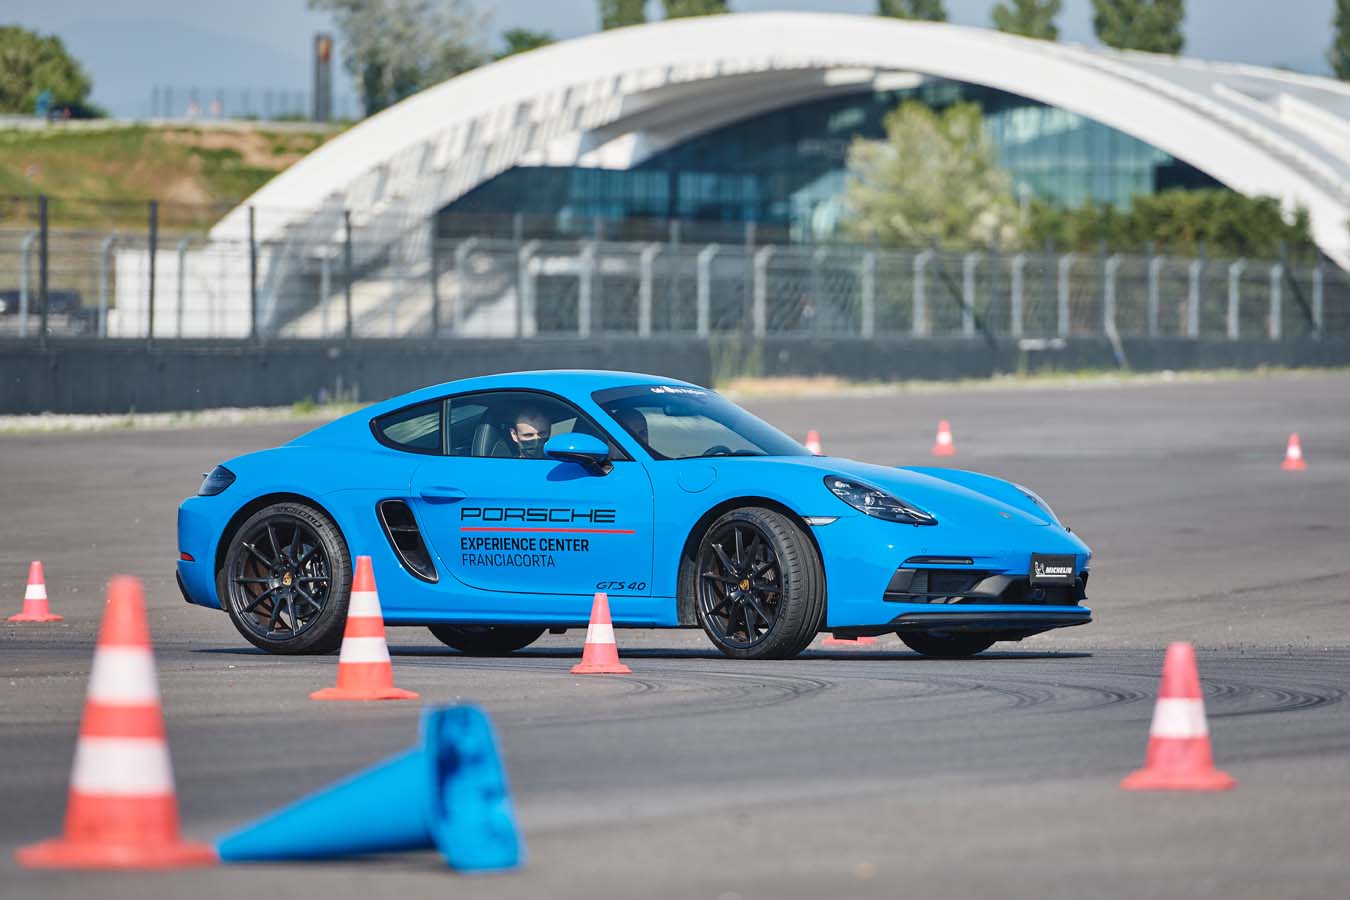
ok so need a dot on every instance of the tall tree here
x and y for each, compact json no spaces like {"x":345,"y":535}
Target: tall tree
{"x":395,"y":48}
{"x":1029,"y":18}
{"x":618,"y":13}
{"x":683,"y":9}
{"x":1150,"y":25}
{"x":31,"y":64}
{"x":1339,"y":57}
{"x":519,"y":40}
{"x":927,"y":10}
{"x":935,"y":177}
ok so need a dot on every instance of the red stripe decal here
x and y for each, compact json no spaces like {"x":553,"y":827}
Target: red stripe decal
{"x":557,"y":530}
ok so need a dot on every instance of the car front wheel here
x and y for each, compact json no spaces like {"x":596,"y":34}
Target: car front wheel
{"x":759,"y":589}
{"x":946,"y":646}
{"x":287,"y":579}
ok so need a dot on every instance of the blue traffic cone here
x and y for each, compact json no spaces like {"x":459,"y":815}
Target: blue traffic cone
{"x":449,"y":793}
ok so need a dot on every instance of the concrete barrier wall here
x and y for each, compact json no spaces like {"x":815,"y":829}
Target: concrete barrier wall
{"x":87,"y":376}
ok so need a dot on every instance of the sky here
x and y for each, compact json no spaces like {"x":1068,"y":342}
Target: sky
{"x":264,"y":45}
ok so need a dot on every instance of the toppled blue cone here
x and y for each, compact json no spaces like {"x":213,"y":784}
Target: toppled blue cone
{"x":449,"y":792}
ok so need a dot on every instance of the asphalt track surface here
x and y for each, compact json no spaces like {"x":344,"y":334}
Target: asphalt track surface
{"x":842,"y":773}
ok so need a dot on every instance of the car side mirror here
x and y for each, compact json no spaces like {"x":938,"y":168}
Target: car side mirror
{"x":586,"y":450}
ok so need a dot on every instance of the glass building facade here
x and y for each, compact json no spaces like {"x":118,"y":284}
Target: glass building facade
{"x":786,"y":170}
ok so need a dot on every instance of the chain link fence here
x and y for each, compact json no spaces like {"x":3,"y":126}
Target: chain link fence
{"x":449,"y":278}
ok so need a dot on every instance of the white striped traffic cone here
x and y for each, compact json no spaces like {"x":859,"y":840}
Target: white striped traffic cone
{"x":122,"y":812}
{"x":35,"y":607}
{"x":1293,"y":456}
{"x":600,"y":656}
{"x":813,"y":442}
{"x":365,"y":671}
{"x":944,"y":445}
{"x":1179,"y":756}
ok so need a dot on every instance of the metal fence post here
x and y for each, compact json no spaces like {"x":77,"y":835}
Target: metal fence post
{"x":584,"y":288}
{"x":646,"y":265}
{"x":325,"y":289}
{"x":1274,"y":321}
{"x":182,"y":280}
{"x":25,"y":273}
{"x":969,"y":264}
{"x":1154,"y":292}
{"x":703,"y":299}
{"x":527,"y":316}
{"x":1317,"y":300}
{"x":1016,"y":302}
{"x":347,"y":273}
{"x":1062,"y":326}
{"x":154,"y":253}
{"x":867,"y":327}
{"x":253,"y":274}
{"x":1193,"y":272}
{"x":1110,"y":269}
{"x":459,"y":314}
{"x":104,"y":258}
{"x":43,"y":267}
{"x":919,"y":314}
{"x":1235,"y":297}
{"x":759,"y":309}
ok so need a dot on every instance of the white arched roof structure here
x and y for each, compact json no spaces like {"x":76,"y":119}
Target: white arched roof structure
{"x":612,"y":99}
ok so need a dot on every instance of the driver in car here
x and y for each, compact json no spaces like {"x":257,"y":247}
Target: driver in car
{"x":530,"y":432}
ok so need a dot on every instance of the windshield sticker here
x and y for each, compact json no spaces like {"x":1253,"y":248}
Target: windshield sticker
{"x":667,"y":389}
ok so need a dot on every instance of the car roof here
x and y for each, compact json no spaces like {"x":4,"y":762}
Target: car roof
{"x":577,"y":384}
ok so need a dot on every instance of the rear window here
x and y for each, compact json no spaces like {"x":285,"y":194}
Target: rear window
{"x":416,"y":428}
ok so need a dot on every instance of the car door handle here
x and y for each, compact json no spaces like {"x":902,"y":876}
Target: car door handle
{"x":441,"y":492}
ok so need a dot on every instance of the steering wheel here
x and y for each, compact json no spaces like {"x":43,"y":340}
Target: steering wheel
{"x":718,"y":450}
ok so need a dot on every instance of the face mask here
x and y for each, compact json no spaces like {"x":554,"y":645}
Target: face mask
{"x":532,"y":447}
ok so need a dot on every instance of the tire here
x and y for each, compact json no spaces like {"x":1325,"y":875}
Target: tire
{"x":287,"y":533}
{"x":945,"y":646}
{"x":486,"y":640}
{"x":775,"y":575}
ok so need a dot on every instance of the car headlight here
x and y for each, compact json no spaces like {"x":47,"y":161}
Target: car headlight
{"x":217,"y":480}
{"x":1039,"y":501}
{"x":877,"y":503}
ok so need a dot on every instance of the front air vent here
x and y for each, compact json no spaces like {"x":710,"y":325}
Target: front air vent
{"x":406,"y":539}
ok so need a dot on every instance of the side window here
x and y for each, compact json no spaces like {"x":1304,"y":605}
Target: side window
{"x":512,"y":424}
{"x":416,"y":429}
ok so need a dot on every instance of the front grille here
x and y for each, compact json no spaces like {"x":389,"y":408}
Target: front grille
{"x":947,"y":586}
{"x":406,"y":539}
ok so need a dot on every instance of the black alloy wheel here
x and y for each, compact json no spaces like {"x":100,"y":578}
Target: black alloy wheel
{"x":759,"y":589}
{"x":287,"y":580}
{"x":946,"y":646}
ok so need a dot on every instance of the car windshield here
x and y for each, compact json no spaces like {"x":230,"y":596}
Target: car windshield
{"x":677,"y":422}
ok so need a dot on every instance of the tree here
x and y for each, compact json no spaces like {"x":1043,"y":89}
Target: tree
{"x":395,"y":48}
{"x":926,"y":10}
{"x":935,"y":177}
{"x":1339,"y":57}
{"x":618,"y":13}
{"x":31,"y":64}
{"x":683,"y":9}
{"x":1029,"y":18}
{"x":520,"y":40}
{"x":1150,"y":25}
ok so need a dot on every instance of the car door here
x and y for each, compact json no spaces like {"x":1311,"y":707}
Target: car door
{"x":503,"y":522}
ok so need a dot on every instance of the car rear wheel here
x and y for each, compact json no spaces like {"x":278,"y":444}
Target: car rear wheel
{"x":759,"y":589}
{"x":946,"y":646}
{"x":486,"y":640}
{"x":287,"y":579}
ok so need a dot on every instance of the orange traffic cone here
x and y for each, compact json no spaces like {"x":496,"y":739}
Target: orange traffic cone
{"x":35,"y":598}
{"x":944,"y":445}
{"x":364,"y":669}
{"x":860,"y":641}
{"x":600,"y":656}
{"x":1293,"y":456}
{"x":1179,"y":757}
{"x":122,"y":812}
{"x":813,"y":442}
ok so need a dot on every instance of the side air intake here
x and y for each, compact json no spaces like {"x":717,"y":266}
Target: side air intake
{"x":406,"y":539}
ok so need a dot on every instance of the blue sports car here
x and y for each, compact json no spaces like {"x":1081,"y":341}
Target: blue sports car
{"x":494,"y":509}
